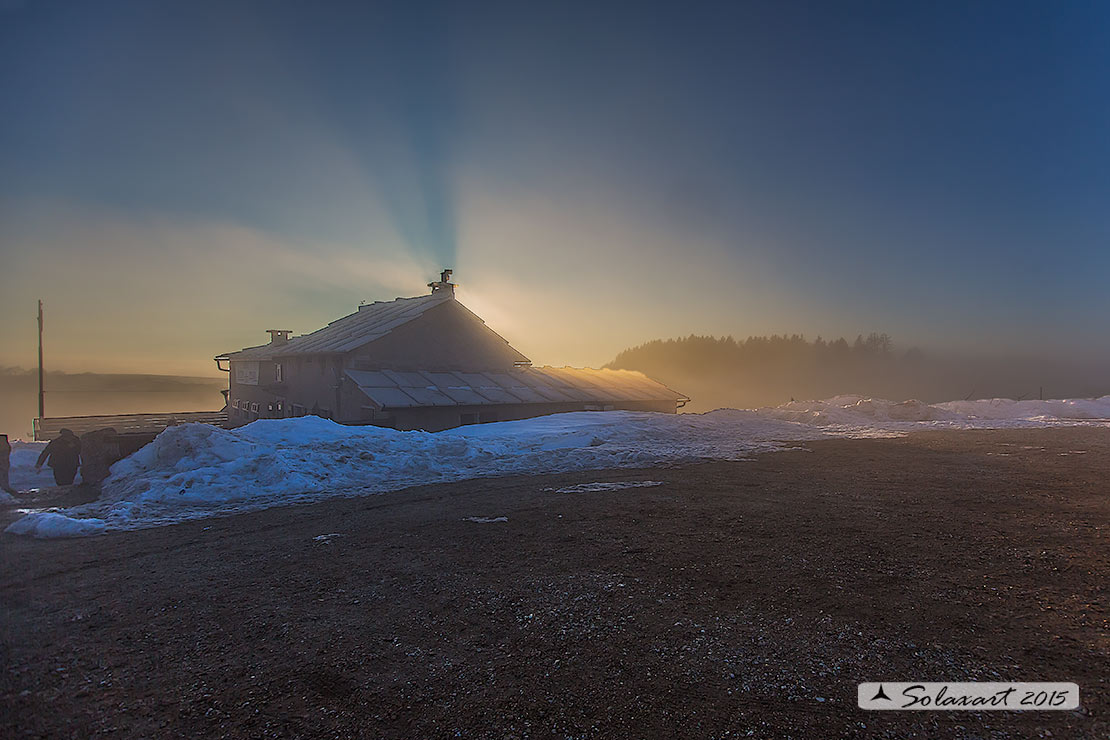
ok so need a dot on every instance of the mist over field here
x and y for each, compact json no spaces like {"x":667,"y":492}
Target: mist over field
{"x":715,"y":372}
{"x":92,"y":394}
{"x":720,"y":372}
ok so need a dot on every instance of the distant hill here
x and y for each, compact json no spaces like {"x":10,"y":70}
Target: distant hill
{"x":85,"y":394}
{"x":769,"y":370}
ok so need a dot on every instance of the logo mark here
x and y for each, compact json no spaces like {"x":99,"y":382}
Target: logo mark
{"x":880,"y":695}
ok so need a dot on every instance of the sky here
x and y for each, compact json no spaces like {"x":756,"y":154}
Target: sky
{"x":178,"y":177}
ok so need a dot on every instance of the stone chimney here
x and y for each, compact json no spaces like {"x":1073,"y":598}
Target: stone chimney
{"x":444,"y":283}
{"x":279,"y":336}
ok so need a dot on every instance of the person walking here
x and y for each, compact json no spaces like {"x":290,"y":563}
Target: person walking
{"x":5,"y":464}
{"x":99,"y":449}
{"x":63,"y":454}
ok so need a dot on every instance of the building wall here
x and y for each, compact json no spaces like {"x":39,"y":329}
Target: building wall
{"x":312,"y":384}
{"x":247,"y":400}
{"x":308,"y":385}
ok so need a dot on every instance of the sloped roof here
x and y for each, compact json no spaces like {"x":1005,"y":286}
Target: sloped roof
{"x":393,"y":389}
{"x":371,"y":321}
{"x":261,"y":352}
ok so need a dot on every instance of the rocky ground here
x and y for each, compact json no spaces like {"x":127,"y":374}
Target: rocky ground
{"x":740,"y":599}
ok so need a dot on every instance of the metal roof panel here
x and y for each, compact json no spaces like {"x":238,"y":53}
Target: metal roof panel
{"x":525,"y":385}
{"x":370,"y":378}
{"x":428,"y":396}
{"x":389,"y":397}
{"x":465,"y":396}
{"x":408,"y":378}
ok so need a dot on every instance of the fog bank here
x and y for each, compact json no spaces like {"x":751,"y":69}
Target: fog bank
{"x":766,"y":371}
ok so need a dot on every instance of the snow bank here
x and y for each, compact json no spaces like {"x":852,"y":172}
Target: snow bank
{"x":1003,"y":409}
{"x":857,"y":411}
{"x":50,"y":525}
{"x":196,"y":470}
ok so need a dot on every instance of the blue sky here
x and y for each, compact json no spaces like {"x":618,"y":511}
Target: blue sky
{"x":938,"y":171}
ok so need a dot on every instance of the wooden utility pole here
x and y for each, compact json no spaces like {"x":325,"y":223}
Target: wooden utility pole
{"x":42,"y":405}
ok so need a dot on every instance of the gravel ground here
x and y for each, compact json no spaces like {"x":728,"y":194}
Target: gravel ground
{"x":738,"y":599}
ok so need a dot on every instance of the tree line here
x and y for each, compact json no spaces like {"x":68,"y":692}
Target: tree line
{"x":699,"y":353}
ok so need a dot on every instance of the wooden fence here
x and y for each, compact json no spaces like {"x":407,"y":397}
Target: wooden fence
{"x":146,"y":425}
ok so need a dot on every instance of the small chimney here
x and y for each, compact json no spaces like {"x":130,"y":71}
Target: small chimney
{"x":444,"y":283}
{"x":279,"y":336}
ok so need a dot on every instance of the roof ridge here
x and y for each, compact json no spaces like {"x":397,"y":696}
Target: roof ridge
{"x":369,"y":322}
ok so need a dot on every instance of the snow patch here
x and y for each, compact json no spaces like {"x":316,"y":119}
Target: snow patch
{"x":51,"y":525}
{"x":486,"y":519}
{"x":614,"y":486}
{"x":857,"y":410}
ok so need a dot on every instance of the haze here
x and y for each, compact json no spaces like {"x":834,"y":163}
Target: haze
{"x":176,"y":178}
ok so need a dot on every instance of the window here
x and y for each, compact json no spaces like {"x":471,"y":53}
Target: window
{"x":279,"y":376}
{"x":254,"y":408}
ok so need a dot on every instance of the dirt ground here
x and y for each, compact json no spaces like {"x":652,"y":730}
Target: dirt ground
{"x":741,"y":599}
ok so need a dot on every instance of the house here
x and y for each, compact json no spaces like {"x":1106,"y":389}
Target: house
{"x":418,"y":363}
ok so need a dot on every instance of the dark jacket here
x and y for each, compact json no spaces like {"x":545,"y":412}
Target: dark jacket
{"x":63,"y":452}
